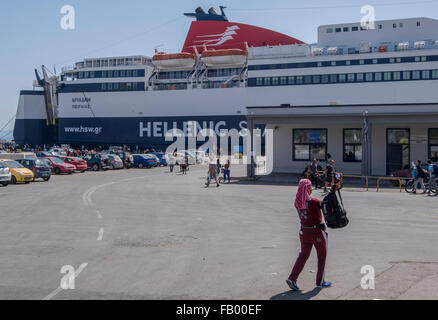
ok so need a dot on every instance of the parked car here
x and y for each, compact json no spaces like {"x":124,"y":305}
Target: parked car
{"x":60,"y":166}
{"x":48,"y":163}
{"x":39,"y":168}
{"x":144,"y":161}
{"x":18,"y":172}
{"x":115,"y":162}
{"x":80,"y":164}
{"x":97,"y":162}
{"x":5,"y":174}
{"x":127,"y":158}
{"x":45,"y":154}
{"x":161,"y":157}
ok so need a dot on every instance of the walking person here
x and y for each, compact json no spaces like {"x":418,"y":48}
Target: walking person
{"x":212,"y":174}
{"x":329,"y":174}
{"x":314,"y":169}
{"x":312,"y":233}
{"x":420,"y":176}
{"x":183,"y":166}
{"x":227,"y":171}
{"x":171,"y":161}
{"x":431,"y":169}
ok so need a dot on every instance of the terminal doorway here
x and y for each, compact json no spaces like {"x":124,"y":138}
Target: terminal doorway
{"x":397,"y":149}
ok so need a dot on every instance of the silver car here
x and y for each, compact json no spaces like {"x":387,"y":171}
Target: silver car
{"x":5,"y":175}
{"x":115,"y":162}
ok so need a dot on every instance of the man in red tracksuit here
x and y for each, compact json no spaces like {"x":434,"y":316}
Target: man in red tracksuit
{"x":312,"y":233}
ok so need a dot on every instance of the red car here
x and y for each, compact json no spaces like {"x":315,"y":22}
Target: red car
{"x":60,"y":166}
{"x":80,"y":164}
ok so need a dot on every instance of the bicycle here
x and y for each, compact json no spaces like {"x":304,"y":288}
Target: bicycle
{"x":409,"y":186}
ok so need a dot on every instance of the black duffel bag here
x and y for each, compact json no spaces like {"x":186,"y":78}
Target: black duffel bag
{"x":334,"y":212}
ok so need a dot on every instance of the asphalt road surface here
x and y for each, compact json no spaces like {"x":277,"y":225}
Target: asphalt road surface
{"x":149,"y":234}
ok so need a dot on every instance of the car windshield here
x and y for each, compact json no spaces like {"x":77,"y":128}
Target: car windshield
{"x":14,"y":164}
{"x":2,"y":166}
{"x":77,"y":159}
{"x":39,"y":163}
{"x":57,"y":160}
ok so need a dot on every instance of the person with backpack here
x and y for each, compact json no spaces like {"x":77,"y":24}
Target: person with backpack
{"x":312,"y":233}
{"x":433,"y":170}
{"x":420,"y":176}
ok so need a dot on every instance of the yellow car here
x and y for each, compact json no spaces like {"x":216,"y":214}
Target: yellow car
{"x":18,"y":172}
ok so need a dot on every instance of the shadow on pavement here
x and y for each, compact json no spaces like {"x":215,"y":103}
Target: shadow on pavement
{"x":296,"y":295}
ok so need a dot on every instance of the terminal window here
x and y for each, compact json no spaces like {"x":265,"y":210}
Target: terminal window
{"x":433,"y":144}
{"x":309,"y":144}
{"x":352,"y":145}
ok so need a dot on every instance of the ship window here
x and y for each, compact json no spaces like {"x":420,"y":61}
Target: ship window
{"x":423,"y":59}
{"x":307,"y":79}
{"x":418,"y":23}
{"x":116,"y":73}
{"x":359,"y":77}
{"x":354,"y":28}
{"x":135,"y":73}
{"x":417,"y":59}
{"x":369,"y":76}
{"x":325,"y":78}
{"x":123,"y":86}
{"x":375,"y":61}
{"x":135,"y":86}
{"x":329,"y":30}
{"x":378,"y":76}
{"x":425,"y":74}
{"x":338,"y":29}
{"x":392,"y":60}
{"x":129,"y":73}
{"x":283,"y":80}
{"x":128,"y":86}
{"x":259,"y":81}
{"x":122,"y":73}
{"x":110,"y":86}
{"x":333,"y":63}
{"x":275,"y":81}
{"x":387,"y":76}
{"x":116,"y":86}
{"x":348,"y":62}
{"x":103,"y":74}
{"x":350,"y":77}
{"x":333,"y":78}
{"x":299,"y":79}
{"x":319,"y":64}
{"x":86,"y":75}
{"x":416,"y":75}
{"x":342,"y":78}
{"x":81,"y":75}
{"x":346,"y":29}
{"x":406,"y":75}
{"x":396,"y":76}
{"x":91,"y":74}
{"x":103,"y":86}
{"x":291,"y":80}
{"x":394,"y":25}
{"x":226,"y":72}
{"x":434,"y":74}
{"x":110,"y":74}
{"x":398,"y":60}
{"x":316,"y":79}
{"x":267,"y":81}
{"x":361,"y":61}
{"x":380,"y":26}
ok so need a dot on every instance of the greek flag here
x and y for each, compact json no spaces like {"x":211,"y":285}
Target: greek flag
{"x":365,"y":128}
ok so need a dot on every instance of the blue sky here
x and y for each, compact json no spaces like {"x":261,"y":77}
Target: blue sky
{"x":31,"y":35}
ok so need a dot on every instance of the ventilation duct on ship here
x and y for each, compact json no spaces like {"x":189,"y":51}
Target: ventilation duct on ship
{"x":199,"y":10}
{"x":212,"y":11}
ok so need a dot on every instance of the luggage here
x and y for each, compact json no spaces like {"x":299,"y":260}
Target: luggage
{"x":334,"y":212}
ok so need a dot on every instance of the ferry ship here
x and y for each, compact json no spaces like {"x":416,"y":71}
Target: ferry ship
{"x":223,"y":68}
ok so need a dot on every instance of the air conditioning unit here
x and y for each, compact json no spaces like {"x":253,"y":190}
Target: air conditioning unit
{"x":403,"y":46}
{"x":332,"y":50}
{"x":365,"y":47}
{"x":420,"y":44}
{"x":317,"y":51}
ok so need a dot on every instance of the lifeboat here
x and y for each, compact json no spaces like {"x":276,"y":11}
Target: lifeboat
{"x":164,"y":60}
{"x":224,"y":57}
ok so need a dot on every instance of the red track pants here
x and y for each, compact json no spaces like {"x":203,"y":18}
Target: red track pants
{"x":310,"y":238}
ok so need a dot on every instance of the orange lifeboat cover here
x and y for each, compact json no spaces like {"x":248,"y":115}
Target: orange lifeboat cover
{"x":170,"y":56}
{"x":224,"y":52}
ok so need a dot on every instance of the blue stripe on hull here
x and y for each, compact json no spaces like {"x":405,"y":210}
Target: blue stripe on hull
{"x":144,"y":131}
